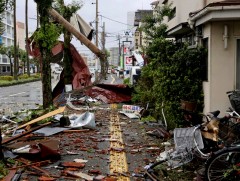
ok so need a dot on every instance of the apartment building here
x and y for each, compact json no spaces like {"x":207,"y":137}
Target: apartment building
{"x":139,"y":36}
{"x":7,"y":40}
{"x":214,"y":24}
{"x":114,"y":56}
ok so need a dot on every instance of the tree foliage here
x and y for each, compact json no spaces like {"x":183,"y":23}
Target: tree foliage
{"x":174,"y":72}
{"x":46,"y":37}
{"x":67,"y":11}
{"x":2,"y":8}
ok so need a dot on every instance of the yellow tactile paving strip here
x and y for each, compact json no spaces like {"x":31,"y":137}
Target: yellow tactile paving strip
{"x":118,"y":160}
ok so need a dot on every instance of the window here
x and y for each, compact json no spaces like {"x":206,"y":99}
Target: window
{"x":4,"y":59}
{"x":205,"y":61}
{"x":9,"y":42}
{"x":4,"y":69}
{"x":9,"y":20}
{"x":172,"y":14}
{"x":238,"y":65}
{"x":8,"y":29}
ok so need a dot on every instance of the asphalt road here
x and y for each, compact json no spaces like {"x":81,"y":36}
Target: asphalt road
{"x":29,"y":96}
{"x":20,"y":97}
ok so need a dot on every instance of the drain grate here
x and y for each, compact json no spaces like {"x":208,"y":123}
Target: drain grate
{"x":118,"y":160}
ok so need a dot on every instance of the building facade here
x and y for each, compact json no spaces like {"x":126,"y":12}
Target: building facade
{"x":114,"y":56}
{"x":7,"y":40}
{"x":214,"y":24}
{"x":140,"y":39}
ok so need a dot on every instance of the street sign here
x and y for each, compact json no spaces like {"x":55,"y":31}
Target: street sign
{"x":127,"y":33}
{"x":128,"y":62}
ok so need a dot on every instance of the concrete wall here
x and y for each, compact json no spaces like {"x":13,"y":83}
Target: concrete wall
{"x":221,"y":65}
{"x":183,"y":8}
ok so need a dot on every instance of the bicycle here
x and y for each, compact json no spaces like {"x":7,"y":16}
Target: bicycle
{"x":224,"y":164}
{"x":190,"y":145}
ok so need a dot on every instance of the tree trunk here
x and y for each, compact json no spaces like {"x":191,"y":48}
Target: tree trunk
{"x":15,"y":43}
{"x":1,"y":153}
{"x":26,"y":22}
{"x":46,"y":79}
{"x":11,"y":67}
{"x":67,"y":60}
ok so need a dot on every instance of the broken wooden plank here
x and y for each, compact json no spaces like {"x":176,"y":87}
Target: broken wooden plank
{"x":25,"y":161}
{"x":73,"y":164}
{"x":52,"y":113}
{"x":8,"y":140}
{"x":11,"y":173}
{"x":32,"y":164}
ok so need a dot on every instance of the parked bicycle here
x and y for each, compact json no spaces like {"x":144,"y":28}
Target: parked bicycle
{"x":220,"y":165}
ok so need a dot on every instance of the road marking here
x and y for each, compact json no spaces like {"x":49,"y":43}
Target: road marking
{"x":113,"y":79}
{"x":17,"y":94}
{"x":3,"y":98}
{"x":118,"y":159}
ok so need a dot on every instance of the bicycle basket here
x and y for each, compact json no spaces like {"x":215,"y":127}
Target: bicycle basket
{"x":185,"y":136}
{"x":234,"y":99}
{"x":229,"y":132}
{"x":184,"y":143}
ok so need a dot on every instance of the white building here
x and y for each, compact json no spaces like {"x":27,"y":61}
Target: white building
{"x":114,"y":56}
{"x":214,"y":24}
{"x":7,"y":40}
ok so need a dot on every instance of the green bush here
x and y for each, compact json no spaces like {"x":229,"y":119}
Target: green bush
{"x":171,"y":75}
{"x":6,"y":77}
{"x":24,"y":76}
{"x":37,"y":75}
{"x":174,"y":72}
{"x":126,"y":81}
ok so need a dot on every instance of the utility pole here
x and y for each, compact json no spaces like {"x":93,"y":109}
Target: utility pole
{"x":103,"y":37}
{"x":119,"y":50}
{"x":97,"y":23}
{"x":26,"y":21}
{"x":15,"y":42}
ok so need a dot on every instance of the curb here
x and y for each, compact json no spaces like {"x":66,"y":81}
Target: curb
{"x":20,"y":82}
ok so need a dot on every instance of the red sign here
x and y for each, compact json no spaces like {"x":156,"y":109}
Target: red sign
{"x":128,"y":61}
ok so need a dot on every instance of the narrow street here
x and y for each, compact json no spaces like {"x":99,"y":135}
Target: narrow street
{"x":20,"y":97}
{"x":117,"y":149}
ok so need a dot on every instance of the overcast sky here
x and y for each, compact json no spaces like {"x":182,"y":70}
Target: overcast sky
{"x":112,"y":12}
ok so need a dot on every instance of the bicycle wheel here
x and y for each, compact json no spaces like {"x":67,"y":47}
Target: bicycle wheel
{"x":224,"y":165}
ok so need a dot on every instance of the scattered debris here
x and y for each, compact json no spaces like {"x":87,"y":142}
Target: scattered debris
{"x":86,"y":119}
{"x":50,"y":114}
{"x":73,"y":164}
{"x":80,"y":175}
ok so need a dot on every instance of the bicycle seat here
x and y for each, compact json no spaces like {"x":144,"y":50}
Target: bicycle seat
{"x":213,"y":114}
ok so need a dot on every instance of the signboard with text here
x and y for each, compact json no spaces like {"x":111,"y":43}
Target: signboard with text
{"x":127,"y":62}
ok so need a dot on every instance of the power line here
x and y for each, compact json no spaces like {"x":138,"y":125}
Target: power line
{"x":115,"y":20}
{"x":111,"y":41}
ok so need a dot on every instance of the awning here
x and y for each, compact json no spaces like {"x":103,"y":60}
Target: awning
{"x":179,"y":30}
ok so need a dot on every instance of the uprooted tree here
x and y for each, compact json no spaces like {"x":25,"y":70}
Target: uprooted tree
{"x":67,"y":12}
{"x":46,"y":38}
